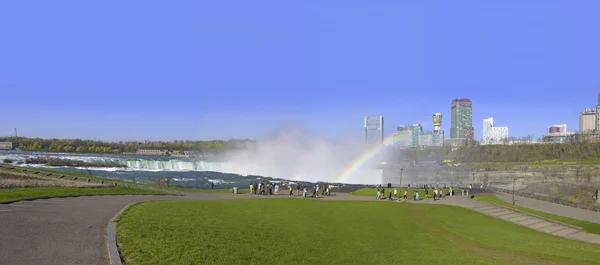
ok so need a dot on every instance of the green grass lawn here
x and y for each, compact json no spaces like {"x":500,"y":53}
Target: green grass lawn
{"x":24,"y":193}
{"x":373,"y":192}
{"x":295,"y":231}
{"x":589,"y":227}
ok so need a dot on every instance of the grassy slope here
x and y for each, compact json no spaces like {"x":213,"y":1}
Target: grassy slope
{"x":373,"y":192}
{"x":22,"y":193}
{"x":589,"y":227}
{"x":242,"y":191}
{"x":287,"y":231}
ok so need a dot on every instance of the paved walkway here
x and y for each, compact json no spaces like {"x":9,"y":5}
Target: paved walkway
{"x":553,"y":208}
{"x":67,"y":230}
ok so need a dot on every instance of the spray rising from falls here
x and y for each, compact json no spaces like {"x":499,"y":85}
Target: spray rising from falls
{"x":294,"y":153}
{"x":358,"y":164}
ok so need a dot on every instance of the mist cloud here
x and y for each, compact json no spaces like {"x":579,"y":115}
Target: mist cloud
{"x":294,"y":152}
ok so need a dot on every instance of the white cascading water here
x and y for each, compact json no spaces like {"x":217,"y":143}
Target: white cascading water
{"x":139,"y":164}
{"x":175,"y":165}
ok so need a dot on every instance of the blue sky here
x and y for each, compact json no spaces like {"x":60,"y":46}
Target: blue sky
{"x":123,"y":70}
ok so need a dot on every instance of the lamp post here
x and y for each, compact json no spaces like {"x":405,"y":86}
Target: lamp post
{"x":513,"y":190}
{"x":401,"y":169}
{"x":513,"y":193}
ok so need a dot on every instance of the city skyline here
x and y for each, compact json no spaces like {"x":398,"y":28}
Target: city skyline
{"x":199,"y":74}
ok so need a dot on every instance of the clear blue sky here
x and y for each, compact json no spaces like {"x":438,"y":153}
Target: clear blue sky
{"x":123,"y":70}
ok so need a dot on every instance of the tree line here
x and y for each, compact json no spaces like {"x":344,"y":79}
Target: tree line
{"x":524,"y":152}
{"x":93,"y":146}
{"x":570,"y":151}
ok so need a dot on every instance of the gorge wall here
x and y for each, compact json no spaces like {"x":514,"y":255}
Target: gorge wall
{"x":500,"y":176}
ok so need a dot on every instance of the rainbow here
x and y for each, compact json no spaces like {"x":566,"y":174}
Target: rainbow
{"x":364,"y":158}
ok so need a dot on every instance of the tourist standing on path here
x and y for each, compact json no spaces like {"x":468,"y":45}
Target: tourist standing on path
{"x":276,"y":189}
{"x":298,"y":189}
{"x":291,"y":190}
{"x":395,"y":193}
{"x":435,"y":193}
{"x":317,"y":190}
{"x":378,"y":194}
{"x":405,"y":195}
{"x":304,"y":193}
{"x":383,"y":191}
{"x":390,"y":197}
{"x":426,"y":193}
{"x":251,"y":188}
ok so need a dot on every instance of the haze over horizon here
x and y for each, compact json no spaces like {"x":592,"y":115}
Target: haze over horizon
{"x":208,"y":70}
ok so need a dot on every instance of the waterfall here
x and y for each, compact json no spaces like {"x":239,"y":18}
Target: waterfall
{"x":175,"y":165}
{"x":136,"y":163}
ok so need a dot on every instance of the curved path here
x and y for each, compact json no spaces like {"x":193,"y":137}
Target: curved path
{"x":67,"y":230}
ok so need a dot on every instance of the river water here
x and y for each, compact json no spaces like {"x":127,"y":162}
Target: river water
{"x":185,"y":172}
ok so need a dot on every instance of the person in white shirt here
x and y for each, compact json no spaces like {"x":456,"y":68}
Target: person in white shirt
{"x":435,"y":193}
{"x":395,"y":193}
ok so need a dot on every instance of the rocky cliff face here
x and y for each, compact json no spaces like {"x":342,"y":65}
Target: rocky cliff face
{"x":500,"y":176}
{"x":570,"y":182}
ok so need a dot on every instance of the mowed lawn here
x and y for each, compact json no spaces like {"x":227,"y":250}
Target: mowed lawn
{"x":295,"y":231}
{"x":37,"y":192}
{"x":410,"y":192}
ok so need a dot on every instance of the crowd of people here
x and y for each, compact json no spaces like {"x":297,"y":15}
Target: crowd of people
{"x":438,"y":193}
{"x":273,"y":189}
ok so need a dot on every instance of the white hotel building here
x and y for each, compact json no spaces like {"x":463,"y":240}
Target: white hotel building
{"x":493,"y":135}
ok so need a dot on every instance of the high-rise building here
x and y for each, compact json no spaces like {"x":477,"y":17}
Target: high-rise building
{"x":413,"y":136}
{"x":461,"y":119}
{"x":587,"y":121}
{"x":437,"y":122}
{"x":493,"y":135}
{"x":597,"y":123}
{"x":557,"y":129}
{"x":431,"y":139}
{"x":407,"y":136}
{"x":374,"y":130}
{"x":558,"y":134}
